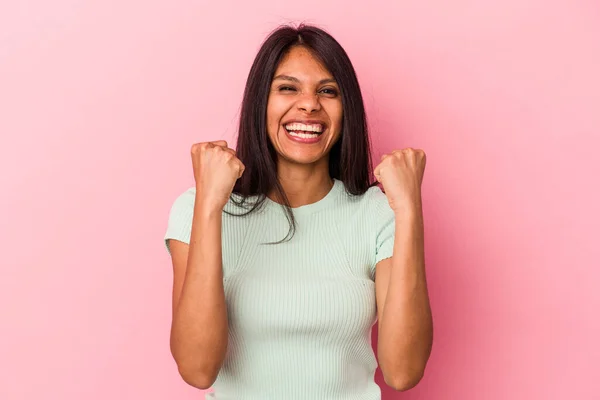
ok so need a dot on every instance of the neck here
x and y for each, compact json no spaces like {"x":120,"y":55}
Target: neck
{"x":303,"y":184}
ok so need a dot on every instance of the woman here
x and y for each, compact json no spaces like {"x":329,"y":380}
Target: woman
{"x":285,"y":253}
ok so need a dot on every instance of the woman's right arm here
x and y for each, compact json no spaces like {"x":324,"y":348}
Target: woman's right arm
{"x":199,"y":328}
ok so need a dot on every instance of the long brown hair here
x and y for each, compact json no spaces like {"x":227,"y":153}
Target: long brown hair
{"x":349,"y":159}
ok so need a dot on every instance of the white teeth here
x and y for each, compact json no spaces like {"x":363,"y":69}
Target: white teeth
{"x":304,"y":135}
{"x":303,"y":127}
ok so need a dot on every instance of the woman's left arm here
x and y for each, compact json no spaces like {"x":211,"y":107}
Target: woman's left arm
{"x":405,"y":322}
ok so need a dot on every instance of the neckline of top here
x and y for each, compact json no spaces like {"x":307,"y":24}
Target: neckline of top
{"x":316,"y":206}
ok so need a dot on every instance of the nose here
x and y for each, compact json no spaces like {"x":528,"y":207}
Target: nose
{"x":308,"y":102}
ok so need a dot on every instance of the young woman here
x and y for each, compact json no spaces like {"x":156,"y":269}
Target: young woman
{"x":286,"y":253}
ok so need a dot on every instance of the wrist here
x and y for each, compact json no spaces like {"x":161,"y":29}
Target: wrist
{"x":207,"y":208}
{"x":410,"y":212}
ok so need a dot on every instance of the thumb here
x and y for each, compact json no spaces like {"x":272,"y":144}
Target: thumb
{"x":222,"y":143}
{"x":242,"y":168}
{"x":377,"y":173}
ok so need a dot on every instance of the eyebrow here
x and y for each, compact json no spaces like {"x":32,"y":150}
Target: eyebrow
{"x":293,"y":79}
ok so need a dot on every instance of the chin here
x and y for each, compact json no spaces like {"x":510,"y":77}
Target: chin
{"x":303,"y":159}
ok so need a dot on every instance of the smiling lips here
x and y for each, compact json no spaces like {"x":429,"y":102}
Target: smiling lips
{"x":304,"y":133}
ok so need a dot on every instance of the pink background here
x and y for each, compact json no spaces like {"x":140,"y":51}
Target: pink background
{"x":101,"y":101}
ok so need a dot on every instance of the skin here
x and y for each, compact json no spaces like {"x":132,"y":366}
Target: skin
{"x":199,"y":327}
{"x":405,"y":324}
{"x":303,"y":168}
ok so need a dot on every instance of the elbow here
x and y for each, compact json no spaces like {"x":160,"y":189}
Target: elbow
{"x":193,"y":373}
{"x":196,"y":379}
{"x":405,"y":382}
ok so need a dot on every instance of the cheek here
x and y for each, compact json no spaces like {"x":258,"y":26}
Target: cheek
{"x":272,"y":120}
{"x":275,"y":111}
{"x":336,"y":114}
{"x":334,"y":109}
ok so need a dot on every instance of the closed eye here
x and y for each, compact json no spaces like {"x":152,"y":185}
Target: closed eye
{"x":327,"y":91}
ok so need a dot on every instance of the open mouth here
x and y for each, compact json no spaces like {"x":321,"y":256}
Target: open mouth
{"x":304,"y":131}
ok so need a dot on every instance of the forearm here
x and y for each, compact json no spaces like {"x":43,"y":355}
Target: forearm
{"x":406,"y":327}
{"x":199,"y":332}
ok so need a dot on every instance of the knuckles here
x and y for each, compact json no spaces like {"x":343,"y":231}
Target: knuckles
{"x":199,"y":149}
{"x":400,"y":154}
{"x":215,"y":155}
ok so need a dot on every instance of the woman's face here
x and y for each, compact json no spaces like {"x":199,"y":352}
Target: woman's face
{"x":304,"y":109}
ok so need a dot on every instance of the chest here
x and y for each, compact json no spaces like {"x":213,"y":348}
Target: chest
{"x":266,"y":307}
{"x":318,"y":285}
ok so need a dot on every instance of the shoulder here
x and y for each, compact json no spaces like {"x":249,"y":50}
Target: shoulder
{"x":371,"y":209}
{"x":180,"y":218}
{"x":186,"y":197}
{"x":376,"y":196}
{"x":182,"y":211}
{"x":379,"y":203}
{"x":184,"y":202}
{"x":372,"y":201}
{"x":183,"y":205}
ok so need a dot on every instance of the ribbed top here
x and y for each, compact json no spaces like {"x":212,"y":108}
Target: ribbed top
{"x":300,"y":312}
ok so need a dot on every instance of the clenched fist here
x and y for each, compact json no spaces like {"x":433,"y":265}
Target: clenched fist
{"x":401,"y":175}
{"x":216,"y":169}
